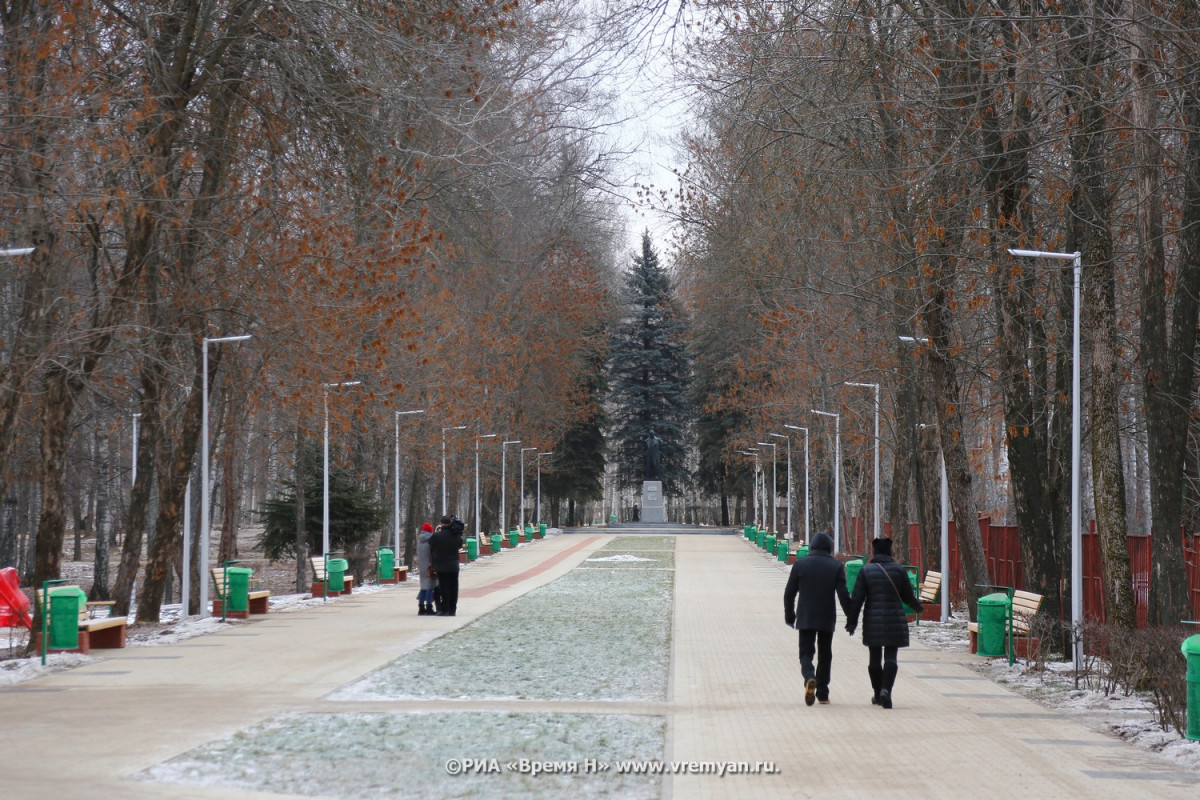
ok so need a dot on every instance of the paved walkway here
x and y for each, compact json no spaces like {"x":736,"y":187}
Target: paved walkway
{"x":734,"y":696}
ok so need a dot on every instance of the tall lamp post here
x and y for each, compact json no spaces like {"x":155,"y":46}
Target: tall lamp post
{"x":806,"y":494}
{"x":1076,"y":468}
{"x":396,"y":474}
{"x":325,"y":472}
{"x":521,"y":522}
{"x":787,"y":439}
{"x":753,"y":451}
{"x":878,"y":527}
{"x":774,"y":526}
{"x":538,"y":514}
{"x":205,"y":489}
{"x":478,"y":510}
{"x":504,"y":481}
{"x":945,"y":538}
{"x":445,"y":503}
{"x":837,"y":477}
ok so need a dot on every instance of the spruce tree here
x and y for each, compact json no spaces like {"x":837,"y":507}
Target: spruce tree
{"x":649,"y":375}
{"x":578,"y":464}
{"x":354,"y":517}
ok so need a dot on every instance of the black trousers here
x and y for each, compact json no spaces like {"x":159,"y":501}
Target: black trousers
{"x":819,"y":643}
{"x":882,"y":667}
{"x":448,"y":589}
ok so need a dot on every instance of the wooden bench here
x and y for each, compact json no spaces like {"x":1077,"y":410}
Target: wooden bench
{"x":95,"y":633}
{"x":258,"y":598}
{"x":318,"y":585}
{"x":930,"y":596}
{"x":1025,"y":606}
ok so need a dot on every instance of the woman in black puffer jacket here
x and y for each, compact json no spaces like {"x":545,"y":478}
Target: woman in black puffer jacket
{"x":883,"y":587}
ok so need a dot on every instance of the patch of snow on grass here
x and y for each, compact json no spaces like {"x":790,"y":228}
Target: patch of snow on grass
{"x":407,"y":755}
{"x":593,"y":634}
{"x":622,"y":557}
{"x":1131,"y":718}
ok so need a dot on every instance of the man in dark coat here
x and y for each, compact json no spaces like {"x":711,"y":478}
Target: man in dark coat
{"x":808,"y":605}
{"x":884,"y":588}
{"x":444,"y":545}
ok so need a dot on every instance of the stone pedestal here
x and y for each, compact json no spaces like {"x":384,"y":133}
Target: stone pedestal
{"x":654,"y":507}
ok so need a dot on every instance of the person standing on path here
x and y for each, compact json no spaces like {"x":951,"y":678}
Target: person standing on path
{"x":880,"y":593}
{"x":808,"y":605}
{"x":426,"y":598}
{"x":444,"y":545}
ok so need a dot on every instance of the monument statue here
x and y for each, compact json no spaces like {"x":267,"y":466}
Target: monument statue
{"x":653,"y":458}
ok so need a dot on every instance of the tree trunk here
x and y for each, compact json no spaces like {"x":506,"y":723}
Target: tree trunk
{"x":1090,"y":222}
{"x":58,"y":403}
{"x":1167,"y":357}
{"x":300,"y":477}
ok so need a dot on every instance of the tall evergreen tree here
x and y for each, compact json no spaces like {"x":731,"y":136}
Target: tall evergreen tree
{"x":649,"y":374}
{"x":577,"y":474}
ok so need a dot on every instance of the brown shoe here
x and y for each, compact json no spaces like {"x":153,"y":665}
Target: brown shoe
{"x":810,"y":691}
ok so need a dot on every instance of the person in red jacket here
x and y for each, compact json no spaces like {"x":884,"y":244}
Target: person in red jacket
{"x":808,"y":605}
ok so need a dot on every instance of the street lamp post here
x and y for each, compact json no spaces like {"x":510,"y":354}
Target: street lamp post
{"x":877,"y":526}
{"x":538,"y":515}
{"x":325,"y":471}
{"x":396,"y":474}
{"x":837,"y":477}
{"x":204,"y":477}
{"x":753,"y":451}
{"x":788,"y":439}
{"x":945,"y":538}
{"x":806,"y":495}
{"x":774,"y":526}
{"x":521,"y":522}
{"x":445,"y":503}
{"x":504,"y":481}
{"x":1076,"y":459}
{"x":478,"y":510}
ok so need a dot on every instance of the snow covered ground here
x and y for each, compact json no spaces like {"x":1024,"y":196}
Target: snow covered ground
{"x":600,"y":632}
{"x":429,"y":755}
{"x":1130,"y":718}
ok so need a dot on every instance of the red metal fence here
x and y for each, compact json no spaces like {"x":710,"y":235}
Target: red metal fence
{"x":1002,"y":548}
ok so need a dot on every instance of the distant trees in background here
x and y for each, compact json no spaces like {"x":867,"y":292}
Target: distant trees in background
{"x":403,"y":195}
{"x":649,"y":377}
{"x":862,"y":170}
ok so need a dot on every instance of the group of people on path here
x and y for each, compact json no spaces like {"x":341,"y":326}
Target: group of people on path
{"x":880,"y":593}
{"x":438,"y":565}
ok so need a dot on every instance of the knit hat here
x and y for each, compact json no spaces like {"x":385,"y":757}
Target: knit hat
{"x":427,"y":528}
{"x":881,"y":547}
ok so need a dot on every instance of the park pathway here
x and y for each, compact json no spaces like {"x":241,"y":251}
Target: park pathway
{"x":734,"y":696}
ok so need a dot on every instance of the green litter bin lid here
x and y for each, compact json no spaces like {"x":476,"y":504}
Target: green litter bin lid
{"x":337,"y":564}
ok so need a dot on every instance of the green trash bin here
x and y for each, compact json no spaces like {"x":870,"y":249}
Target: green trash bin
{"x":387,"y":564}
{"x":514,"y":537}
{"x":748,"y":531}
{"x":237,"y":589}
{"x":993,"y":624}
{"x":916,"y":589}
{"x":337,"y":574}
{"x":852,"y":569}
{"x":769,"y":544}
{"x":801,"y":551}
{"x":1191,"y":651}
{"x":758,"y":537}
{"x":472,"y":549}
{"x":497,"y":542}
{"x":542,"y":529}
{"x":781,"y":550}
{"x":65,"y":602}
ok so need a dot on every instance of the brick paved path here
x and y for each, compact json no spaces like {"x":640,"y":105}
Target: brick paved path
{"x":734,"y":696}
